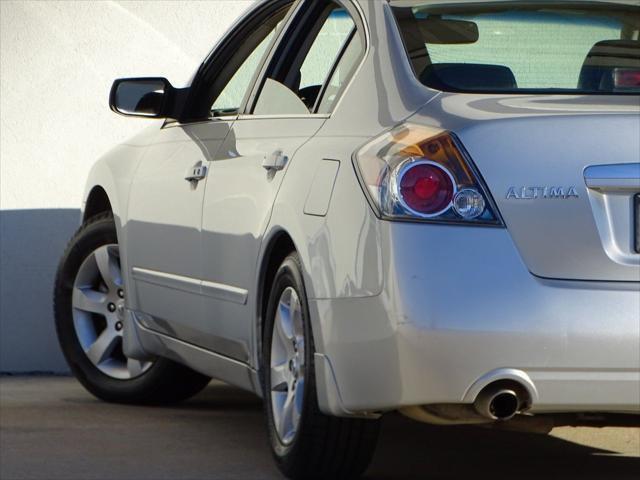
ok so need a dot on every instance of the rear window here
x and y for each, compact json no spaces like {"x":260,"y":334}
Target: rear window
{"x":523,"y":47}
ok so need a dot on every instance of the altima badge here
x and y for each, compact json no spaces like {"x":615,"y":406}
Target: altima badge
{"x":531,"y":193}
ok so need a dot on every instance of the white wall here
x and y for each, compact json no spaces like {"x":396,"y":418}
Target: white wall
{"x":57,"y":62}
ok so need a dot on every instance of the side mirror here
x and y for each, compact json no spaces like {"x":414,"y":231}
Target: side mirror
{"x":143,"y":97}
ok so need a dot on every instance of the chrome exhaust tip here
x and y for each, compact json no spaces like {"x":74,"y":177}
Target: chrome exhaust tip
{"x":497,"y":403}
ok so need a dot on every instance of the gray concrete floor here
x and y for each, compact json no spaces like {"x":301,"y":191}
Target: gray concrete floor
{"x":50,"y":428}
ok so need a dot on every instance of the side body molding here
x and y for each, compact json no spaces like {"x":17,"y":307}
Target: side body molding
{"x":192,"y":285}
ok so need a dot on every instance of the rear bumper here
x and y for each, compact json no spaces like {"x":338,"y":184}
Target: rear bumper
{"x":459,"y":310}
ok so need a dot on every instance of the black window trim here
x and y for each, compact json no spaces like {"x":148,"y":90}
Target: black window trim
{"x":290,"y":32}
{"x":198,"y":107}
{"x":327,"y":80}
{"x":244,"y":26}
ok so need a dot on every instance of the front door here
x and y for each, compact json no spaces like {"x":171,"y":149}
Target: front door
{"x":165,"y":228}
{"x":164,"y":220}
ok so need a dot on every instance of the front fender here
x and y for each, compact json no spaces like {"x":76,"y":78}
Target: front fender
{"x":114,"y":173}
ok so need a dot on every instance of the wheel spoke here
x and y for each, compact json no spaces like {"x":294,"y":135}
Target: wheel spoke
{"x":296,"y":317}
{"x":297,"y":324}
{"x":283,"y":323}
{"x":134,"y":367}
{"x":300,"y":346}
{"x":287,"y":365}
{"x":108,"y":267}
{"x":286,"y":417}
{"x":103,"y":346}
{"x":89,"y":300}
{"x":297,"y":403}
{"x":280,"y":377}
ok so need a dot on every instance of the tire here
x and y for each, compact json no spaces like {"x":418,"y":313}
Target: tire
{"x":319,"y":446}
{"x":110,"y":376}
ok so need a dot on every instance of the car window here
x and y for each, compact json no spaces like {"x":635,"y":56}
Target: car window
{"x":311,"y":66}
{"x":325,"y":49}
{"x":343,"y":72}
{"x":230,"y":99}
{"x":250,"y":55}
{"x":560,"y":47}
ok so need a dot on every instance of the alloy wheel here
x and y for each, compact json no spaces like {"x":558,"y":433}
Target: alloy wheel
{"x":287,"y":365}
{"x":98,"y":305}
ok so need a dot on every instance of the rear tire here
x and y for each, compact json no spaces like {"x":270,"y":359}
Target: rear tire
{"x":91,"y":264}
{"x":311,"y":445}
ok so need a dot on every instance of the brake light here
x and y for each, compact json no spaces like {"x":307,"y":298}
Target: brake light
{"x":423,"y":187}
{"x":626,"y":78}
{"x":421,"y":173}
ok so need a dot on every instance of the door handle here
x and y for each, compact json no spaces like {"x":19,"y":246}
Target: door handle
{"x":196,"y":173}
{"x":276,"y":161}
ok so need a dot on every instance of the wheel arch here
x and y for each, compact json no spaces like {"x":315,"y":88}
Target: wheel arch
{"x":107,"y":188}
{"x":278,"y":246}
{"x":97,"y":202}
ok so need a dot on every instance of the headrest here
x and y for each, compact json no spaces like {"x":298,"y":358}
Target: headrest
{"x":603,"y":58}
{"x":468,"y":76}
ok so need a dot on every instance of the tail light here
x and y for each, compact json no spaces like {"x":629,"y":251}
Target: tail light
{"x":421,"y":173}
{"x":626,"y":78}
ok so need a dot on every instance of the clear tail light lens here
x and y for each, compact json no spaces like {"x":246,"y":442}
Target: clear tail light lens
{"x":420,"y":173}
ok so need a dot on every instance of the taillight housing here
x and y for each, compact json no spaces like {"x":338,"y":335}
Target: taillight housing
{"x":420,"y":173}
{"x":624,"y":78}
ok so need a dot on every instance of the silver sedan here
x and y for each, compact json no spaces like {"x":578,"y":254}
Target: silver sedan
{"x":357,"y":207}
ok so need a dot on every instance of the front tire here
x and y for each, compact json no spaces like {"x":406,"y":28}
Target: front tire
{"x":89,"y":312}
{"x":305,"y":442}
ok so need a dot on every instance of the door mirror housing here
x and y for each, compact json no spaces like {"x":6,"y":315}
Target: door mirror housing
{"x":152,"y":97}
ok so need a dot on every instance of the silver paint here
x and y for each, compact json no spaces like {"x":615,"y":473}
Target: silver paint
{"x":403,"y":314}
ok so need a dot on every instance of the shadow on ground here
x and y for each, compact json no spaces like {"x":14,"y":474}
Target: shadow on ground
{"x":51,"y":428}
{"x":411,"y":450}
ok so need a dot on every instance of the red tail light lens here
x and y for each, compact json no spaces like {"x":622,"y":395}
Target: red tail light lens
{"x":425,"y":188}
{"x":420,"y":173}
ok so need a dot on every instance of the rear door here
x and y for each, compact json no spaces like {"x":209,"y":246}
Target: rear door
{"x":281,"y":116}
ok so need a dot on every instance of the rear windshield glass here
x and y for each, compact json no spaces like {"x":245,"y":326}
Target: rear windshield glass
{"x":523,"y":47}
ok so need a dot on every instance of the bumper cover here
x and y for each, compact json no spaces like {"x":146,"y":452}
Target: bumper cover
{"x":459,"y":310}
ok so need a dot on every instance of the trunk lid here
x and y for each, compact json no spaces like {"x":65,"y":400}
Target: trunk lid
{"x":564,"y":172}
